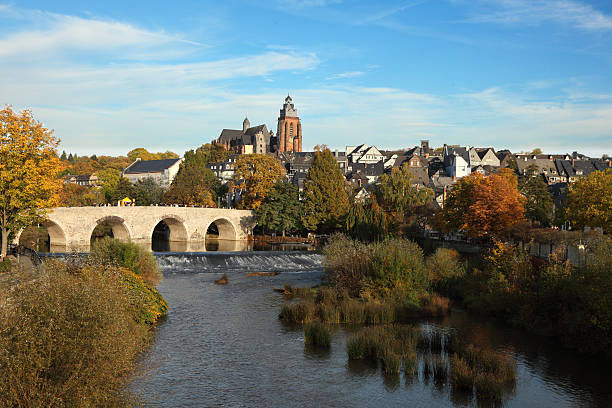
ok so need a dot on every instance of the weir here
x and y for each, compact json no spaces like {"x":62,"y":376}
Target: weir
{"x":251,"y":261}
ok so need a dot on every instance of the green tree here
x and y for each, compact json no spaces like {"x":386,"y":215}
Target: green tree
{"x":29,"y":168}
{"x":396,"y":193}
{"x":589,"y":201}
{"x":281,"y":209}
{"x":194,"y":184}
{"x":255,"y":175}
{"x":367,"y":221}
{"x":148,"y":191}
{"x":123,"y":189}
{"x":537,"y":150}
{"x":325,"y":199}
{"x":110,"y":179}
{"x":538,"y":200}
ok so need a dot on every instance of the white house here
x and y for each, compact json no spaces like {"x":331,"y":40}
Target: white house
{"x":364,"y":154}
{"x":162,"y":171}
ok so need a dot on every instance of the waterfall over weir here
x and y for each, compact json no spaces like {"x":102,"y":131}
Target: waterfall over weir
{"x":252,"y":261}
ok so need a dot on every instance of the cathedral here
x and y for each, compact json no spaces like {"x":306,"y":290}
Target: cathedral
{"x":259,"y":139}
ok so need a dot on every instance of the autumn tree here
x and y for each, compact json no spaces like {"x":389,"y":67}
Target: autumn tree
{"x":254,"y":176}
{"x":29,"y":168}
{"x":325,"y":199}
{"x":281,"y":209}
{"x":589,"y":201}
{"x":538,"y":200}
{"x":74,"y":195}
{"x":110,"y":179}
{"x":144,"y":154}
{"x":483,"y":206}
{"x":367,"y":221}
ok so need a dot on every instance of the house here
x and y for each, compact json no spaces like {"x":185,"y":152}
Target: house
{"x":456,"y":161}
{"x":505,"y":157}
{"x":365,"y":172}
{"x":162,"y":171}
{"x":364,"y":154}
{"x":541,"y":164}
{"x":83,"y":180}
{"x":423,"y":150}
{"x":483,"y":157}
{"x":224,"y":170}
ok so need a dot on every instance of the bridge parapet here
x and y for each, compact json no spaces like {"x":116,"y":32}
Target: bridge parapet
{"x":71,"y":227}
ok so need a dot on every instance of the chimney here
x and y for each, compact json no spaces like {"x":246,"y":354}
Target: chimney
{"x":572,"y":162}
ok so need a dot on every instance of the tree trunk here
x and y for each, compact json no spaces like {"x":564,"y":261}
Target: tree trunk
{"x":4,"y":242}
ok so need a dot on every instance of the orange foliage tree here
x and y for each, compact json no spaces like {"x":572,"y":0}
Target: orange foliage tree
{"x":29,"y":169}
{"x":255,"y":175}
{"x":483,"y":206}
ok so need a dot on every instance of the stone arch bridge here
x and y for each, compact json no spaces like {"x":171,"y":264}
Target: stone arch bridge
{"x":71,"y":228}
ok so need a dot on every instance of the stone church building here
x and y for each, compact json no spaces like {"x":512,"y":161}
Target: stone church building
{"x":260,"y":140}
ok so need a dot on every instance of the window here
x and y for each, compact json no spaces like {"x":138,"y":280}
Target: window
{"x":291,"y":130}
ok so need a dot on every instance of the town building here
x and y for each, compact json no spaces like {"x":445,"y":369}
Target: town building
{"x":248,"y":140}
{"x":90,"y":180}
{"x":162,"y":171}
{"x":289,"y":129}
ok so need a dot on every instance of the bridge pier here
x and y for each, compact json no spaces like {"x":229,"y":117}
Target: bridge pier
{"x":71,"y":228}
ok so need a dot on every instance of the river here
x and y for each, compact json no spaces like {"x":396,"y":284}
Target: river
{"x":223,"y":345}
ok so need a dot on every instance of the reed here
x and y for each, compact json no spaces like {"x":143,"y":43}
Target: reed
{"x":298,"y":313}
{"x":440,"y":371}
{"x":317,"y":334}
{"x":462,"y":374}
{"x":392,"y":363}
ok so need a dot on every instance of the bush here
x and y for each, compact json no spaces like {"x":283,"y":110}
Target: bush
{"x":70,"y":338}
{"x":5,"y":265}
{"x":317,"y":334}
{"x":298,"y":313}
{"x":444,"y":270}
{"x":108,"y":251}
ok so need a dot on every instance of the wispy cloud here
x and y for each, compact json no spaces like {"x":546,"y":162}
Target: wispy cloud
{"x":345,"y":75}
{"x":535,"y":12}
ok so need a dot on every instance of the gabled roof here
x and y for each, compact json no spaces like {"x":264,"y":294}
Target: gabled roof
{"x":150,"y":166}
{"x":565,"y":168}
{"x":255,"y":129}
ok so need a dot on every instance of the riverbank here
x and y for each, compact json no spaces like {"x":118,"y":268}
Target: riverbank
{"x":72,"y":335}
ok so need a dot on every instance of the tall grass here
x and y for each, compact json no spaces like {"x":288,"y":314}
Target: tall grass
{"x":317,"y":334}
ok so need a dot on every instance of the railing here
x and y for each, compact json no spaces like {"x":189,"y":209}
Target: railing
{"x":25,"y":251}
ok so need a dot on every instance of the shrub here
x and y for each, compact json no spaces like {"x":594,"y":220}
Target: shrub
{"x":444,"y":270}
{"x":317,"y":334}
{"x":108,"y":251}
{"x":70,"y":338}
{"x":5,"y":265}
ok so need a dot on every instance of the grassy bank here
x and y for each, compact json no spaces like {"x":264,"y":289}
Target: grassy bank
{"x":72,"y":336}
{"x":547,"y":297}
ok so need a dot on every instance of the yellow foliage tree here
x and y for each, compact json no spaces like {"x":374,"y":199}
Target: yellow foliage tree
{"x":589,"y":201}
{"x":29,"y":168}
{"x":255,"y":175}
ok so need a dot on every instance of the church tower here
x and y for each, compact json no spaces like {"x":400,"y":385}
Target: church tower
{"x":289,"y":130}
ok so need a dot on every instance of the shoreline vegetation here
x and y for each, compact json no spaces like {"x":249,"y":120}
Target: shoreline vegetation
{"x":73,"y":335}
{"x":387,"y":286}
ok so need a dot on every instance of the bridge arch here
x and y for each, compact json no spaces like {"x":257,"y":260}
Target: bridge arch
{"x":119,"y":227}
{"x":176,"y":226}
{"x":57,"y":236}
{"x":225,"y":227}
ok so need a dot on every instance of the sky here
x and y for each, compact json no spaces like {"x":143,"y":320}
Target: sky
{"x":110,"y":76}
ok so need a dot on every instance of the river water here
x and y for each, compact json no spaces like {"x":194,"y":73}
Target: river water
{"x":224,"y":346}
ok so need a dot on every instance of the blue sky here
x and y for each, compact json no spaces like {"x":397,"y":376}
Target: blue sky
{"x":114,"y":75}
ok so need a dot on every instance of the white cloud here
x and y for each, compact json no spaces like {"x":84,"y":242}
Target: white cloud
{"x":343,"y":75}
{"x":536,"y":12}
{"x":69,"y":33}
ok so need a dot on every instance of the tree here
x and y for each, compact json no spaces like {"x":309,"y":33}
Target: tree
{"x":281,"y":209}
{"x":255,"y":175}
{"x":110,"y":179}
{"x":483,"y":206}
{"x":123,"y":189}
{"x":29,"y":168}
{"x":367,"y":221}
{"x":538,"y":200}
{"x":148,"y":191}
{"x":212,"y":153}
{"x":144,"y":154}
{"x":396,"y":193}
{"x":74,"y":195}
{"x":325,"y":200}
{"x":589,"y":201}
{"x":537,"y":150}
{"x":194,"y":184}
{"x":63,"y":156}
